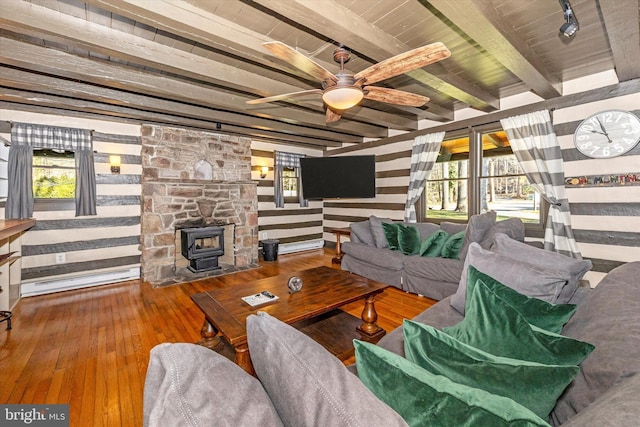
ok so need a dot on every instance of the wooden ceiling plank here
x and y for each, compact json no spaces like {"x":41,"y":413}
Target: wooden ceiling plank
{"x":621,"y":20}
{"x":480,"y":21}
{"x":30,"y":19}
{"x":355,"y":32}
{"x":24,"y":80}
{"x":63,"y":103}
{"x":55,"y":62}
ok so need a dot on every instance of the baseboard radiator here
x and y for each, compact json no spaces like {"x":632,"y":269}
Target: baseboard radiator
{"x":287,"y":248}
{"x":28,"y":289}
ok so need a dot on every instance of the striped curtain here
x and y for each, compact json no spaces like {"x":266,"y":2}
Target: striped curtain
{"x":536,"y":147}
{"x":423,"y":156}
{"x":286,"y":160}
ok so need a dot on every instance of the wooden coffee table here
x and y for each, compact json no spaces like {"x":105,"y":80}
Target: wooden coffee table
{"x":313,"y":310}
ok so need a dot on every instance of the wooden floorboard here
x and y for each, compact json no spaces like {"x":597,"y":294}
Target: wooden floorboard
{"x":90,"y":347}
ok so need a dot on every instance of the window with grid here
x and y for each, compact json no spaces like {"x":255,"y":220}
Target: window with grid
{"x":53,"y":174}
{"x":476,"y":172}
{"x":290,"y":183}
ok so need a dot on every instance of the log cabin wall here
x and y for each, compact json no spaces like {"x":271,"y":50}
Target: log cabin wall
{"x":93,"y":246}
{"x":295,"y":227}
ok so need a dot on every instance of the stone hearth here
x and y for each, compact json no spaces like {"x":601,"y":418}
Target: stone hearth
{"x":195,"y":179}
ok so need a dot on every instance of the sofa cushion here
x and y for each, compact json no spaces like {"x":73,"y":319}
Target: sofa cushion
{"x":512,"y":227}
{"x":534,"y":385}
{"x":478,"y":227}
{"x":617,"y":407}
{"x":453,"y":227}
{"x":425,"y":229}
{"x":440,"y":269}
{"x":377,"y":231}
{"x":432,"y":245}
{"x":187,"y":384}
{"x":492,"y":325}
{"x":525,"y":277}
{"x":361,"y":233}
{"x":610,"y":319}
{"x":308,"y":385}
{"x":423,"y":398}
{"x":382,"y":258}
{"x":551,"y":317}
{"x":453,"y":245}
{"x":408,"y":239}
{"x":574,"y":268}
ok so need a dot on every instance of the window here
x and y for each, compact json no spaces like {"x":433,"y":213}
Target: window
{"x":290,"y":183}
{"x":53,"y":174}
{"x":476,"y":172}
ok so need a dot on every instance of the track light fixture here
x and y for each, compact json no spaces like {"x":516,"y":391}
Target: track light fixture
{"x":569,"y":28}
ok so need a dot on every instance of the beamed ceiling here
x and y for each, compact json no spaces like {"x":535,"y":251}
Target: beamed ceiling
{"x":195,"y":63}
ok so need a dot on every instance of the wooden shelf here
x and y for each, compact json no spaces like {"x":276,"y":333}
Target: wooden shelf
{"x":8,"y":258}
{"x":10,"y":227}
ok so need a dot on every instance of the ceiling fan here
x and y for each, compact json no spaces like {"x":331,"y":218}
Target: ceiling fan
{"x":344,"y":90}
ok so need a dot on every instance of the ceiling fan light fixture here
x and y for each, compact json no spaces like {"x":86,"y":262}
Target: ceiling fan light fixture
{"x":342,"y":98}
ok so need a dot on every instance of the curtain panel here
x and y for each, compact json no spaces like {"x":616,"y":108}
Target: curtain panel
{"x":424,"y":154}
{"x":536,"y":147}
{"x":286,"y":160}
{"x":25,"y":137}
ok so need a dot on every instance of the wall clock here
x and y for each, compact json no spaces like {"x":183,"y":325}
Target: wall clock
{"x":607,"y":134}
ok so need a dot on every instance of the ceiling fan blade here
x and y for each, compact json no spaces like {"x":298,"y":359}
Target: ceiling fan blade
{"x":394,"y":96}
{"x":284,"y":96}
{"x":332,"y":116}
{"x":298,"y":60}
{"x":408,"y":61}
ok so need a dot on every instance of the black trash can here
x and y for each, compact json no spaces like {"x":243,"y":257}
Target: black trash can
{"x":270,"y":249}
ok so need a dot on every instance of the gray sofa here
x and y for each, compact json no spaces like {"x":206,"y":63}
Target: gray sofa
{"x":368,"y":254}
{"x":301,"y":384}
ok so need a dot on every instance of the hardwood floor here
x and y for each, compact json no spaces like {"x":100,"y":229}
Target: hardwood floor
{"x":90,"y":347}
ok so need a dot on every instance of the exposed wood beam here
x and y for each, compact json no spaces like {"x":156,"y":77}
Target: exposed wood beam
{"x":55,"y":62}
{"x":62,"y":103}
{"x":330,"y":18}
{"x":480,"y":20}
{"x":36,"y":20}
{"x":24,"y":80}
{"x":622,"y":22}
{"x":599,"y":94}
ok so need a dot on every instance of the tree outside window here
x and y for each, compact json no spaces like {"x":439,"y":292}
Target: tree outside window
{"x":53,"y":174}
{"x":479,"y":176}
{"x":290,"y":182}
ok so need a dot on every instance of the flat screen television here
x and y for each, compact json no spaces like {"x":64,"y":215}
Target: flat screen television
{"x":347,"y":177}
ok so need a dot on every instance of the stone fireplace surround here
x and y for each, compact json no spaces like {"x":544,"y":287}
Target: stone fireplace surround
{"x":194,"y":178}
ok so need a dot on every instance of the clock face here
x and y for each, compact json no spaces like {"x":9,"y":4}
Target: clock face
{"x":607,"y":134}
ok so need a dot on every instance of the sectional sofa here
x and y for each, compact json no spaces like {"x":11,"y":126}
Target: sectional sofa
{"x":300,"y":384}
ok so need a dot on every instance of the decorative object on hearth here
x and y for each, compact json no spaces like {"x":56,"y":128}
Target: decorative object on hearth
{"x":295,"y":284}
{"x":345,"y":90}
{"x":609,"y":133}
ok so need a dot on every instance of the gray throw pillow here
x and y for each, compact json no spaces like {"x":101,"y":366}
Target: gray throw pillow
{"x":575,"y":269}
{"x":525,"y":277}
{"x":187,"y":384}
{"x":361,"y":233}
{"x":512,"y":227}
{"x":307,"y":384}
{"x":378,"y":233}
{"x":478,"y":227}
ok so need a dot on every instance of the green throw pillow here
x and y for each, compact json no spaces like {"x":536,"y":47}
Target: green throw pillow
{"x":432,"y":245}
{"x":391,"y":233}
{"x":452,"y":246}
{"x":408,"y":239}
{"x":492,"y":325}
{"x":422,"y":398}
{"x":547,"y":316}
{"x":533,"y":385}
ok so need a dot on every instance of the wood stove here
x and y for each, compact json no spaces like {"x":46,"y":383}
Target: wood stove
{"x":202,"y":246}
